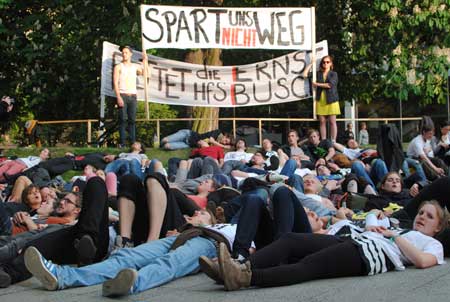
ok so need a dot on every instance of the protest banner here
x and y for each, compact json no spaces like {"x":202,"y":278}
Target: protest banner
{"x":225,"y":27}
{"x":172,"y":82}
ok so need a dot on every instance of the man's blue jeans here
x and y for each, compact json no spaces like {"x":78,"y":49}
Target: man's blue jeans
{"x":179,"y":140}
{"x":377,"y":171}
{"x":155,"y":262}
{"x":127,"y":117}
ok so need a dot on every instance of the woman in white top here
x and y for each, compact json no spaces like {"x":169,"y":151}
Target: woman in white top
{"x":318,"y":256}
{"x":11,"y":167}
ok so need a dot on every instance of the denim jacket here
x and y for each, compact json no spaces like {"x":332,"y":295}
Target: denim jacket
{"x":331,"y":93}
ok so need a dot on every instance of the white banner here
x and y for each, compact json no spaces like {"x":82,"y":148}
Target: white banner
{"x":279,"y":80}
{"x":225,"y":27}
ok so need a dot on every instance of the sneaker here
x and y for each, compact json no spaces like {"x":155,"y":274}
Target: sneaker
{"x":86,"y":250}
{"x":235,"y":274}
{"x":121,"y":285}
{"x":122,"y":242}
{"x":210,"y":268}
{"x":44,"y":270}
{"x":5,"y":279}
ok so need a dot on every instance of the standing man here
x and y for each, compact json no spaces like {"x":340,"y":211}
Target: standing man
{"x":125,"y":89}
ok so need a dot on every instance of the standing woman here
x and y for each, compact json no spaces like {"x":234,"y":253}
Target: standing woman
{"x":327,"y":97}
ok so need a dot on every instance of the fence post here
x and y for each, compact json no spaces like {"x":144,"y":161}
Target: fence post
{"x":89,"y":132}
{"x":158,"y":130}
{"x":234,"y":127}
{"x":260,"y":131}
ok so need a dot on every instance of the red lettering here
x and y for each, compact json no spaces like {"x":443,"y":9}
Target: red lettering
{"x":233,"y":94}
{"x":226,"y":36}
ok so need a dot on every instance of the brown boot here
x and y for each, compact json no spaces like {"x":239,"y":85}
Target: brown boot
{"x":211,"y":269}
{"x":235,"y":275}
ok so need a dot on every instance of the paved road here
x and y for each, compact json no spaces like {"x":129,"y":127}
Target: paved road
{"x":411,"y":285}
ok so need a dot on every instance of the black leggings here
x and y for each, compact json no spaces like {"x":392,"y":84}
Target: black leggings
{"x":178,"y":204}
{"x":296,"y":258}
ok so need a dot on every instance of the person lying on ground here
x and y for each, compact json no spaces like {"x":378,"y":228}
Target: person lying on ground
{"x":133,"y":270}
{"x":12,"y":167}
{"x":83,"y":243}
{"x":318,"y":256}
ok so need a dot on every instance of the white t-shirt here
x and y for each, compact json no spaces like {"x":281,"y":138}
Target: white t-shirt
{"x":419,"y":147}
{"x":130,"y":156}
{"x":227,"y":230}
{"x":352,"y":153}
{"x":422,"y":242}
{"x":238,"y":155}
{"x":30,"y":161}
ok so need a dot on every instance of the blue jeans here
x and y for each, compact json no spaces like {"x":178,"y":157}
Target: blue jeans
{"x":289,"y":168}
{"x":179,"y":140}
{"x":411,"y":162}
{"x":377,"y":171}
{"x":155,"y":262}
{"x":118,"y":167}
{"x":136,"y":168}
{"x":127,"y":117}
{"x":296,"y":182}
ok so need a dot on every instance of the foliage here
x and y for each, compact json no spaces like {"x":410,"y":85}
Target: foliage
{"x":397,"y":49}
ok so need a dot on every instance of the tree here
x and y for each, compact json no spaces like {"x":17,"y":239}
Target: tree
{"x":397,"y":49}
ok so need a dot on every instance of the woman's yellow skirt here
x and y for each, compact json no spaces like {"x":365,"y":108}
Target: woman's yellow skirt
{"x":323,"y":108}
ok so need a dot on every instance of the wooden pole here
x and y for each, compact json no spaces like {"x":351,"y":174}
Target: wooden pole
{"x":147,"y":112}
{"x":260,"y":131}
{"x":313,"y":56}
{"x":89,"y":131}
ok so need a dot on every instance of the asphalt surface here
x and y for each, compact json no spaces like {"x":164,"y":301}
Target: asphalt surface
{"x":410,"y":285}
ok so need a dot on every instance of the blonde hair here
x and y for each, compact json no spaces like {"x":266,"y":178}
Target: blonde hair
{"x":442,"y":213}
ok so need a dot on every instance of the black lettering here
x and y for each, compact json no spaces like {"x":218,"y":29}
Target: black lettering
{"x":202,"y":73}
{"x":202,"y":91}
{"x":284,"y":67}
{"x":269,"y":96}
{"x":265,"y":34}
{"x":232,"y":21}
{"x":182,"y":71}
{"x":237,"y":72}
{"x":248,"y":19}
{"x":217,"y":12}
{"x":260,"y":69}
{"x":299,"y":57}
{"x":281,"y":29}
{"x":300,"y":96}
{"x":293,"y":30}
{"x":241,"y":91}
{"x":215,"y":75}
{"x":170,"y":84}
{"x":185,"y":26}
{"x":161,"y":29}
{"x":219,"y":87}
{"x":160,"y":80}
{"x":208,"y":90}
{"x":197,"y":27}
{"x":279,"y":83}
{"x":169,"y":22}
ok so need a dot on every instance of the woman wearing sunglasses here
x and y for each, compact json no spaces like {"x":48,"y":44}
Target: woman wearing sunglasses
{"x":327,"y":97}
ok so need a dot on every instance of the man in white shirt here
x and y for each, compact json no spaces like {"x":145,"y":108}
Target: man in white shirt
{"x":125,"y":88}
{"x":420,"y":148}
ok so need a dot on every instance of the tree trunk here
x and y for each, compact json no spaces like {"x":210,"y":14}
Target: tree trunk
{"x":208,"y":115}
